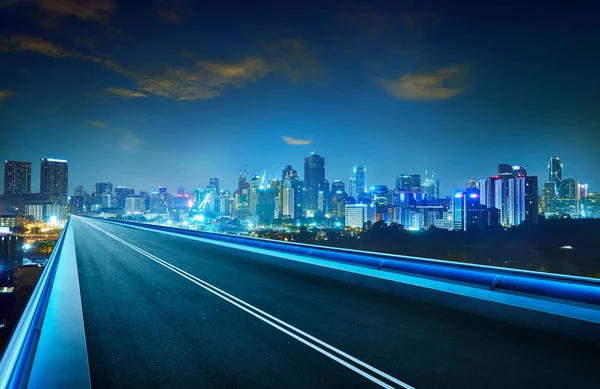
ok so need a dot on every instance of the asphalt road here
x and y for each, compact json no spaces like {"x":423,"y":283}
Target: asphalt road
{"x":148,"y":324}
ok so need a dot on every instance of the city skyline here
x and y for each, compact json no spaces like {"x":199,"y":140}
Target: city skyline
{"x":127,"y":95}
{"x":233,"y":178}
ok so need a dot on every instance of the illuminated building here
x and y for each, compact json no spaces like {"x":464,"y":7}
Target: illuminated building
{"x":134,"y":205}
{"x":590,"y":206}
{"x":403,"y":183}
{"x":121,"y":194}
{"x":103,"y":188}
{"x":412,"y":219}
{"x":253,"y":187}
{"x":431,"y":187}
{"x":54,"y":179}
{"x":356,"y":215}
{"x":583,"y":191}
{"x":555,"y":175}
{"x":287,"y":200}
{"x":213,"y":183}
{"x":570,"y":188}
{"x":415,"y":182}
{"x":17,"y":177}
{"x":548,"y":197}
{"x":360,"y":182}
{"x":314,"y":181}
{"x":162,"y":190}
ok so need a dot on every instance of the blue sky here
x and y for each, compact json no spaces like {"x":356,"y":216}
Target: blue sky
{"x":149,"y":93}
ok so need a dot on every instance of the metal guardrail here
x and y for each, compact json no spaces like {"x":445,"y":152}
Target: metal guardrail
{"x":559,"y":286}
{"x":17,"y":360}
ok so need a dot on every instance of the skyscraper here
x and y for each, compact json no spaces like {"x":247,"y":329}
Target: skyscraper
{"x":314,"y":181}
{"x":54,"y":179}
{"x":103,"y":188}
{"x":431,"y":187}
{"x":415,"y":182}
{"x":548,"y":197}
{"x":360,"y":181}
{"x":531,"y":199}
{"x":403,"y":183}
{"x":17,"y":177}
{"x":570,"y":188}
{"x":214,"y":183}
{"x":555,"y":175}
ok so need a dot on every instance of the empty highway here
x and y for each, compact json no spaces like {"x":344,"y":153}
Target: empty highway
{"x":166,"y":311}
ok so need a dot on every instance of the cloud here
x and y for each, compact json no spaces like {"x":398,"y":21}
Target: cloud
{"x":437,"y":84}
{"x":129,"y":141}
{"x":96,"y":123}
{"x":93,"y":10}
{"x":205,"y":81}
{"x":295,"y":141}
{"x":171,"y":11}
{"x":293,"y":59}
{"x":5,"y":95}
{"x":124,"y":92}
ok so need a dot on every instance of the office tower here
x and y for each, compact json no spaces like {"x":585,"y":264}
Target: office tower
{"x":78,"y":191}
{"x":555,"y":175}
{"x":264,"y":204}
{"x":472,"y":214}
{"x":253,"y":187}
{"x":146,"y":196}
{"x":431,"y":187}
{"x":570,"y":188}
{"x":103,"y":188}
{"x":475,"y":183}
{"x":162,"y":190}
{"x":17,"y":177}
{"x":403,"y":183}
{"x":531,"y":199}
{"x":352,"y":187}
{"x":458,"y":210}
{"x":288,"y":208}
{"x":54,"y":179}
{"x":415,"y":182}
{"x":314,"y":181}
{"x":548,"y":197}
{"x":381,"y":194}
{"x":357,"y":215}
{"x":214,"y":183}
{"x":134,"y":205}
{"x":583,"y":191}
{"x":360,"y":181}
{"x":121,"y":193}
{"x":289,"y":174}
{"x":180,"y":191}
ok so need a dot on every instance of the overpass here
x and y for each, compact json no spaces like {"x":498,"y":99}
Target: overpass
{"x":123,"y":304}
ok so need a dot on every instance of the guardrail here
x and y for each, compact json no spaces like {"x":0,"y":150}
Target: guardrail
{"x":17,"y":360}
{"x":571,"y":288}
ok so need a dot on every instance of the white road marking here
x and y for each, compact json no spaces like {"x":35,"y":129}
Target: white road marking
{"x":269,"y":319}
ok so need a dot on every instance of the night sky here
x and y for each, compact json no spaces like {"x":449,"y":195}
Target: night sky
{"x":142,"y":93}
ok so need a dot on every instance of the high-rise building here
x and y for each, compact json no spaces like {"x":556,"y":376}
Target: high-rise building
{"x":287,"y":200}
{"x":253,"y":187}
{"x":54,"y":179}
{"x":214,"y":183}
{"x":475,"y":183}
{"x":570,"y":188}
{"x":162,"y":189}
{"x":356,"y":215}
{"x":548,"y":197}
{"x":360,"y":181}
{"x":458,"y":211}
{"x":583,"y":191}
{"x":431,"y":187}
{"x":314,"y":181}
{"x":17,"y":177}
{"x":555,"y":175}
{"x":264,"y":206}
{"x":473,"y":217}
{"x":403,"y":183}
{"x":415,"y":182}
{"x":103,"y":188}
{"x":134,"y":205}
{"x":121,"y":193}
{"x":531,"y":199}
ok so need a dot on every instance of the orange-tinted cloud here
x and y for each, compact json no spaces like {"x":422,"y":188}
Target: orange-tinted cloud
{"x":93,"y":10}
{"x":5,"y":95}
{"x":124,"y":92}
{"x":438,"y":84}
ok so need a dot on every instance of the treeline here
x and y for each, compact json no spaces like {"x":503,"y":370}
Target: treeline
{"x":566,"y":246}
